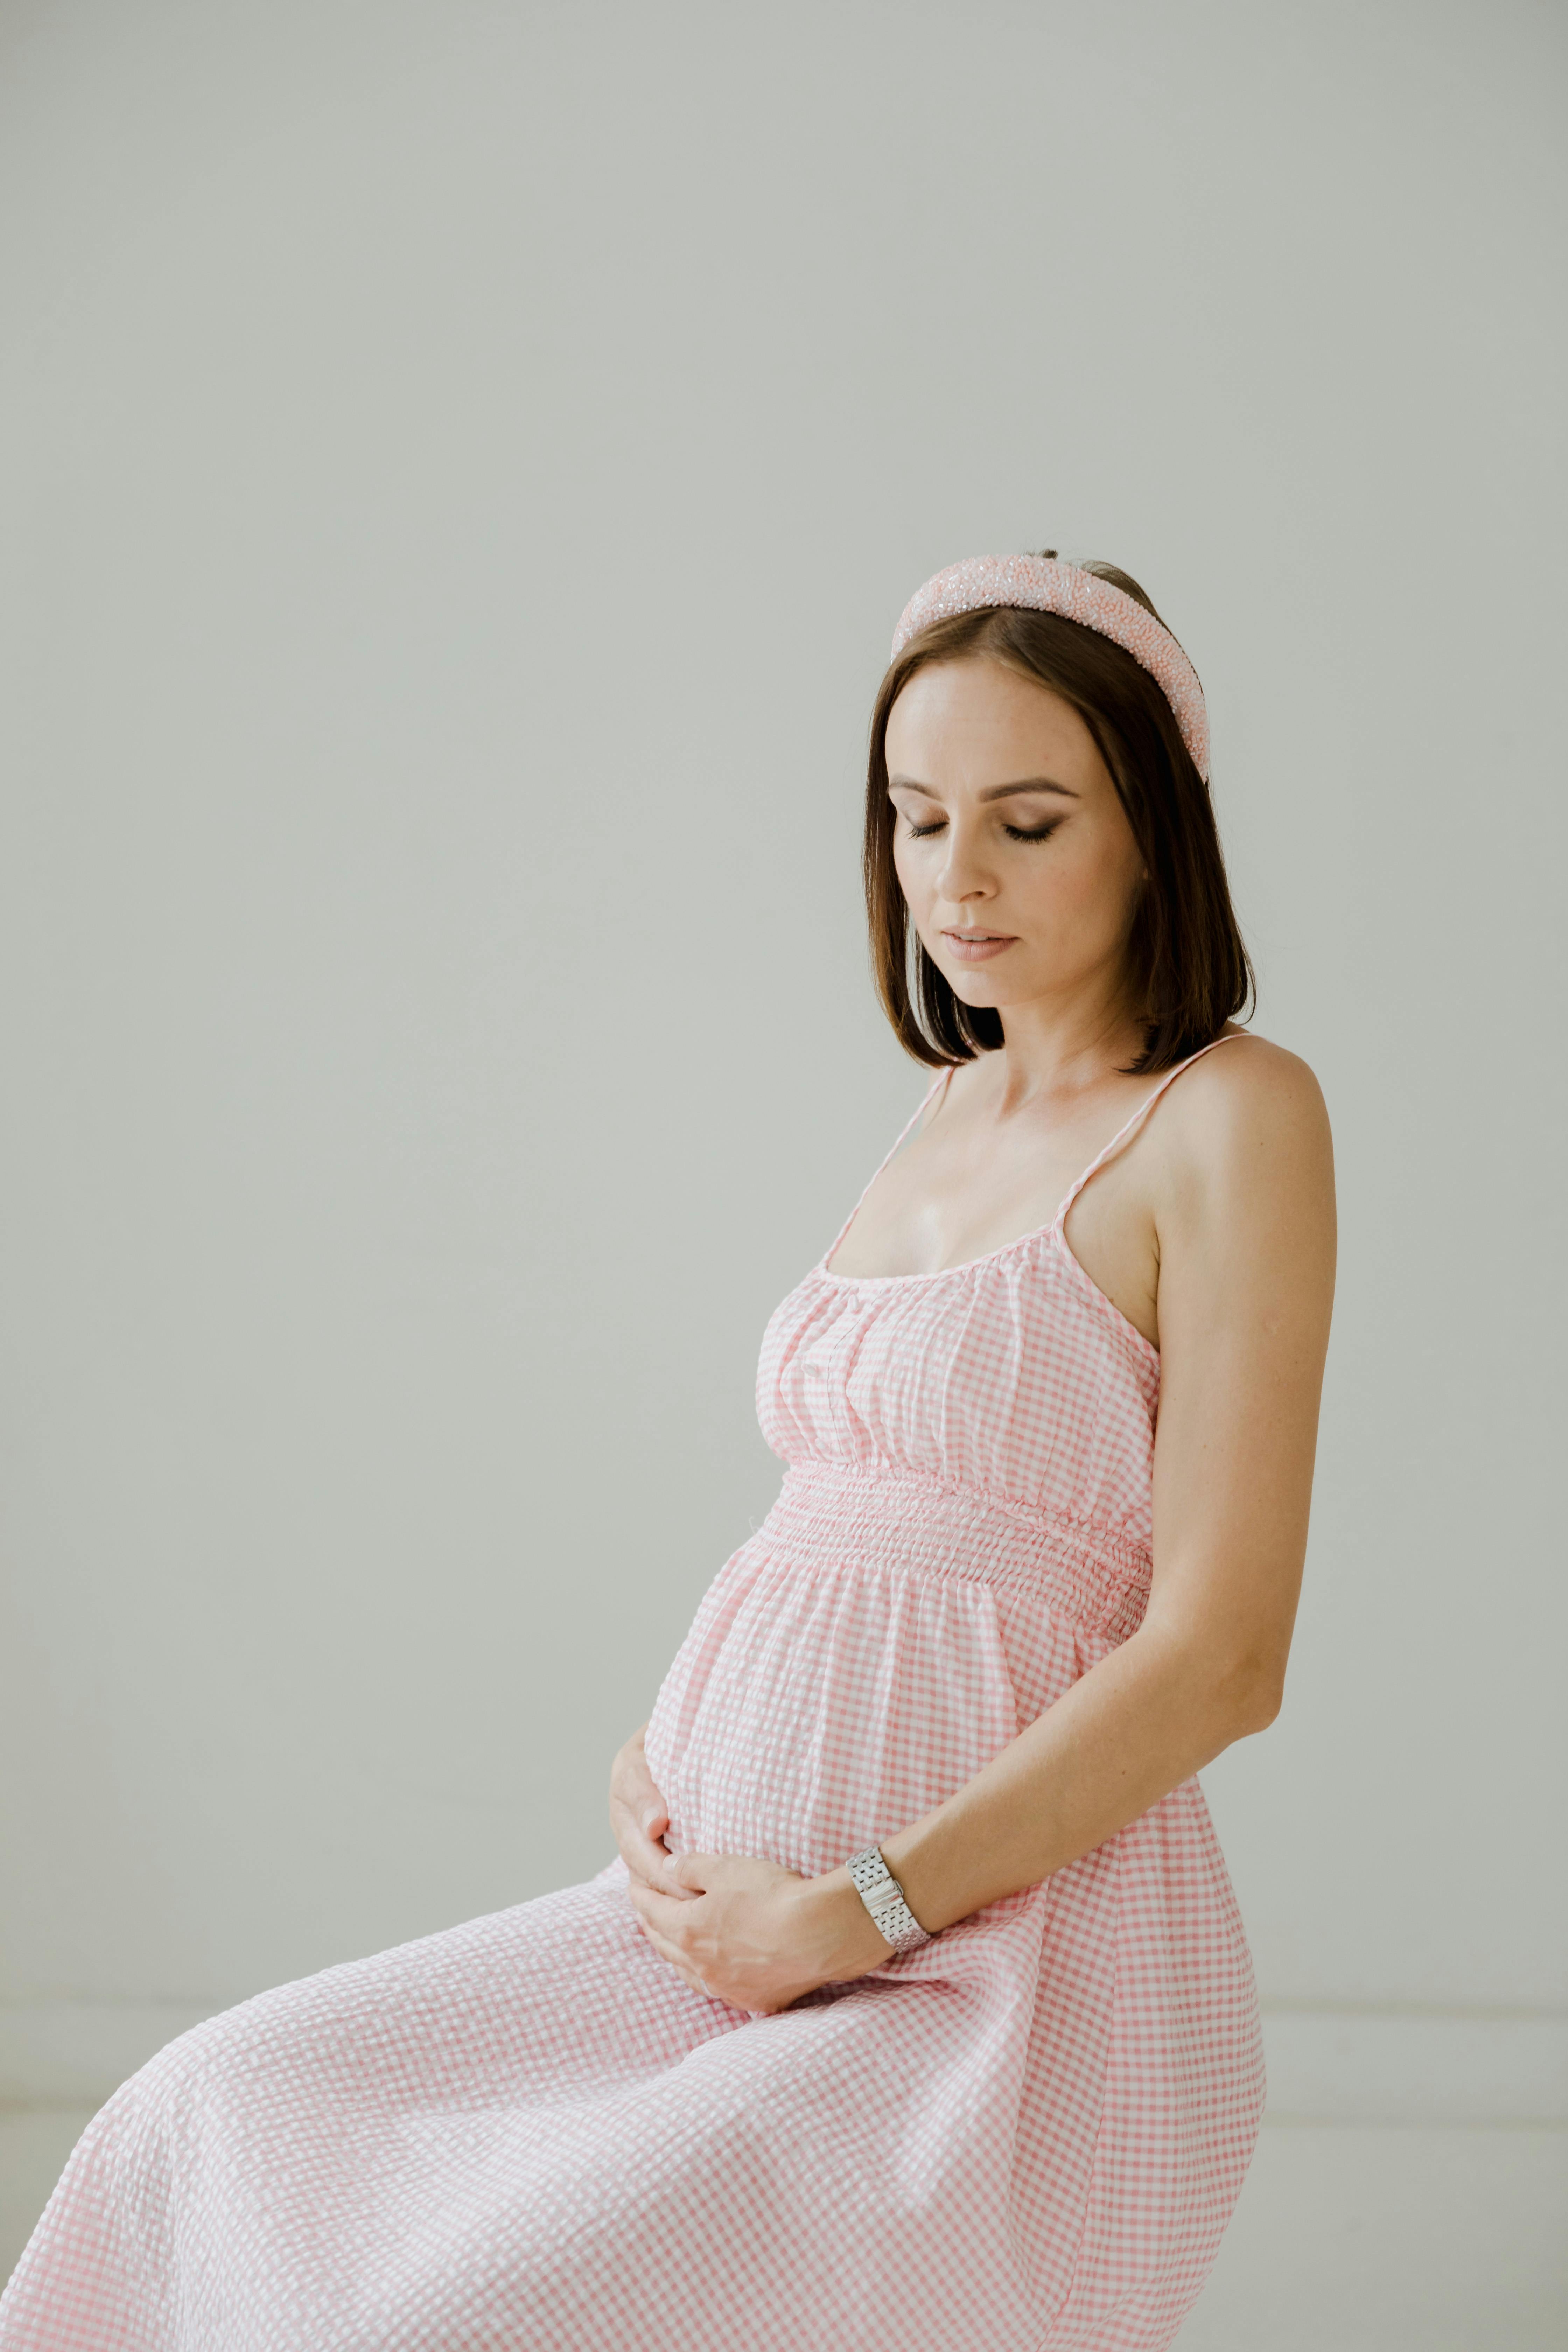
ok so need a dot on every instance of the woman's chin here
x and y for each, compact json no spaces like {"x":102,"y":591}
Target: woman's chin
{"x":980,"y":986}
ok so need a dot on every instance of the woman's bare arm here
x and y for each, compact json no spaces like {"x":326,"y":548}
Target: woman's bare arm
{"x":1245,"y":1223}
{"x":1246,"y":1227}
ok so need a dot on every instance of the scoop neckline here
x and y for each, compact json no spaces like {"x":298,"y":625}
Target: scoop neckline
{"x":937,"y":1274}
{"x":1055,"y":1230}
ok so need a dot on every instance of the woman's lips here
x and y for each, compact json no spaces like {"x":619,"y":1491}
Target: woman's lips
{"x":977,"y":947}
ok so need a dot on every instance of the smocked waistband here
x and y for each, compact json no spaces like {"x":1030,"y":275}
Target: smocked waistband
{"x":836,"y":1514}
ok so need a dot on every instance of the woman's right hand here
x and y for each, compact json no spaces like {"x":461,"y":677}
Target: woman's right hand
{"x":639,"y":1818}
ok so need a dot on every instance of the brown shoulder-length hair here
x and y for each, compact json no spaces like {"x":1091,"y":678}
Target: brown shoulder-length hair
{"x":1189,"y":969}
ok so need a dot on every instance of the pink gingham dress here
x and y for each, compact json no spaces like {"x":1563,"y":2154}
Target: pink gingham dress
{"x":529,"y":2133}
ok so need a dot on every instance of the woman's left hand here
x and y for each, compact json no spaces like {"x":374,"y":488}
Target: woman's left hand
{"x":757,"y":1935}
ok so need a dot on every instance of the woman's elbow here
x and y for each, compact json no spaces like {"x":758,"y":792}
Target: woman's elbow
{"x":1236,"y":1686}
{"x":1251,"y":1695}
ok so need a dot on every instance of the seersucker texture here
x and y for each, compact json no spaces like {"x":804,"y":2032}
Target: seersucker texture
{"x":529,"y":2135}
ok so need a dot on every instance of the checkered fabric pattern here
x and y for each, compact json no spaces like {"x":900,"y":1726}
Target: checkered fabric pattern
{"x":1025,"y":2136}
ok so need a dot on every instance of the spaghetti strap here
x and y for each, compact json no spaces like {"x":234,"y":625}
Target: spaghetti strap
{"x":1125,"y":1134}
{"x":940,"y":1082}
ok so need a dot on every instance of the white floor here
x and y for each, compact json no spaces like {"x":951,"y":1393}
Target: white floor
{"x":1366,"y":2238}
{"x":1394,"y":2238}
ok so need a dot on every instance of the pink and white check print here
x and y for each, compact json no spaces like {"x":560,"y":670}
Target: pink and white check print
{"x":528,"y":2135}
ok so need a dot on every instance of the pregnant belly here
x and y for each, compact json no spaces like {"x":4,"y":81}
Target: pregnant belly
{"x":813,"y":1708}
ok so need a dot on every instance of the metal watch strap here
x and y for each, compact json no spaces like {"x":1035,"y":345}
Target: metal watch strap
{"x":884,"y":1898}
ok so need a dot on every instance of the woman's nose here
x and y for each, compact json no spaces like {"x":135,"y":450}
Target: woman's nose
{"x":963,"y":875}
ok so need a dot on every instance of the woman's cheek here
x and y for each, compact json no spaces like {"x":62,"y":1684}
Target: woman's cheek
{"x":916,"y":889}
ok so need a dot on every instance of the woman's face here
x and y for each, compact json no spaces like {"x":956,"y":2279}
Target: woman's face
{"x":1012,"y":848}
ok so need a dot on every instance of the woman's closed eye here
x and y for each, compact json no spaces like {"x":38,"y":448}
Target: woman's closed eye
{"x":1013,"y":831}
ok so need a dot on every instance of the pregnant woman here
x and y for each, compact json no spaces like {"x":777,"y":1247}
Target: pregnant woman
{"x":915,"y":2008}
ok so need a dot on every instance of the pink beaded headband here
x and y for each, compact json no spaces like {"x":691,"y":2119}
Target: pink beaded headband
{"x":1044,"y":585}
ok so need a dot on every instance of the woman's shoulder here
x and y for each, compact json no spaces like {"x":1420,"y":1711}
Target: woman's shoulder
{"x":1252,"y":1069}
{"x":1249,"y":1110}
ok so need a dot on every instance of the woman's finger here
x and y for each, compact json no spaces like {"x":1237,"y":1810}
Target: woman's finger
{"x":634,"y":1784}
{"x":666,"y":1912}
{"x":655,"y":1917}
{"x":636,"y":1828}
{"x":667,"y":1925}
{"x":644,"y":1799}
{"x":641,"y":1803}
{"x":650,"y":1863}
{"x":671,"y":1952}
{"x":639,"y":1852}
{"x":640,"y":1817}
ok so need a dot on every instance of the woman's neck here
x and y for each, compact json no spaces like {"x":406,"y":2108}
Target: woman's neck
{"x":1062,"y":1049}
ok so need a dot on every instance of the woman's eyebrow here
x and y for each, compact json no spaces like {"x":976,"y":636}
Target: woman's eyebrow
{"x":992,"y":791}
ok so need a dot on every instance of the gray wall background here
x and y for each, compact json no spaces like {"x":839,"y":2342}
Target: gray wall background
{"x":460,"y":466}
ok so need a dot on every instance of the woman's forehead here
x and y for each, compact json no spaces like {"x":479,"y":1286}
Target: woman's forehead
{"x":981,"y":711}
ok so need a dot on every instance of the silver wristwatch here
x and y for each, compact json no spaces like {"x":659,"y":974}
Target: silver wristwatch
{"x":884,"y":1898}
